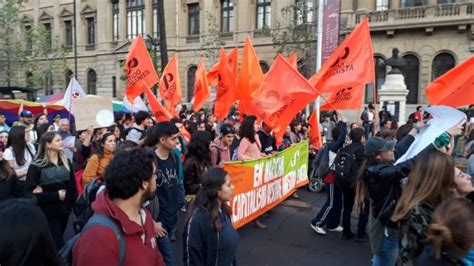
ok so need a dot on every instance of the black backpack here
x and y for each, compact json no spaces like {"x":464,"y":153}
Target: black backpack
{"x":344,"y":166}
{"x":96,"y":220}
{"x":322,"y":163}
{"x":82,"y":208}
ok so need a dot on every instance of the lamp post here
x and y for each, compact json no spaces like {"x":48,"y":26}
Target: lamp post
{"x":153,"y":43}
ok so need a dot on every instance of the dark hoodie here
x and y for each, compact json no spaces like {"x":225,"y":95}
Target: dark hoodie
{"x":99,"y":245}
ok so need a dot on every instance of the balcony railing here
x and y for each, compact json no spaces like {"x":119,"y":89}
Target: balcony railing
{"x":411,"y":16}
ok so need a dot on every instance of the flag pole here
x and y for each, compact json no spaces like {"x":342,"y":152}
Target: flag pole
{"x":319,"y":51}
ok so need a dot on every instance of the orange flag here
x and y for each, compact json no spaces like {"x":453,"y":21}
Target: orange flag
{"x":225,"y":94}
{"x":283,"y":93}
{"x":454,"y":88}
{"x":157,"y":109}
{"x":201,"y":86}
{"x":293,"y":60}
{"x":141,"y":74}
{"x":350,"y":65}
{"x":170,"y":85}
{"x":212,"y":74}
{"x":345,"y":98}
{"x":233,"y":60}
{"x":250,"y":78}
{"x":314,"y":134}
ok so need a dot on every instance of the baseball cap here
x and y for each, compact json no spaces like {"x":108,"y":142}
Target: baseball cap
{"x":377,"y":144}
{"x":26,"y":113}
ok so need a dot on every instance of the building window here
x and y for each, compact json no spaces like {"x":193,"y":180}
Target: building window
{"x":193,"y":19}
{"x":68,"y":74}
{"x":412,"y":3}
{"x":446,"y":2}
{"x":441,"y":64}
{"x":264,"y":66}
{"x":135,"y":18}
{"x":48,"y":34}
{"x":156,"y":22}
{"x":382,"y":5}
{"x":91,"y":82}
{"x":90,"y":32}
{"x":191,"y":78}
{"x":116,"y":22}
{"x":264,"y":13}
{"x":304,"y":12}
{"x":412,"y":76}
{"x":227,"y":15}
{"x":29,"y":40}
{"x":68,"y":34}
{"x":380,"y":70}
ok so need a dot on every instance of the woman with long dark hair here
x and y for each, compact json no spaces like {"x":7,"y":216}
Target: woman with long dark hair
{"x":249,"y":147}
{"x":10,"y":186}
{"x":26,"y":240}
{"x":100,"y":159}
{"x":39,"y":120}
{"x":209,"y":237}
{"x":198,"y":161}
{"x":19,"y":153}
{"x":420,"y":198}
{"x":51,"y":180}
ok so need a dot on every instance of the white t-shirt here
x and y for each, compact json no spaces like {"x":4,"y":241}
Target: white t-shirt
{"x":10,"y":156}
{"x":371,"y":116}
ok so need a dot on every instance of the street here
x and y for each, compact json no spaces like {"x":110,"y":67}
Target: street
{"x":289,"y":240}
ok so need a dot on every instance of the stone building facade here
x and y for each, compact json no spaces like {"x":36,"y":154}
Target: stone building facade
{"x":433,"y":35}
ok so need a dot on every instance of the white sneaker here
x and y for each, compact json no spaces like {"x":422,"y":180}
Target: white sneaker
{"x":318,"y":229}
{"x":337,"y":229}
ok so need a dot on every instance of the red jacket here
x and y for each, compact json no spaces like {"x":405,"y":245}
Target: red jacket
{"x":99,"y":245}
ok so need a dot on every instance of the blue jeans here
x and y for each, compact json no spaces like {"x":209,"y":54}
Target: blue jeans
{"x":166,"y":249}
{"x":330,"y":213}
{"x":388,"y":253}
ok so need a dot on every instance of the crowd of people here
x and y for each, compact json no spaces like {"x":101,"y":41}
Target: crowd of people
{"x":125,"y":185}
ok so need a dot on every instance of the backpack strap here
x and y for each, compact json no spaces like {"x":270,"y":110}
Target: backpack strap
{"x":104,"y":220}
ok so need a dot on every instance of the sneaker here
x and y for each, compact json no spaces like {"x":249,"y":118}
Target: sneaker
{"x":348,"y":236}
{"x":362,"y":238}
{"x":337,"y":229}
{"x":318,"y":229}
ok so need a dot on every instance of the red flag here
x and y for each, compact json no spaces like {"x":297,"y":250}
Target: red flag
{"x":170,"y":85}
{"x":293,"y":60}
{"x":454,"y":88}
{"x":283,"y":93}
{"x":350,"y":65}
{"x":233,"y":60}
{"x":157,"y":109}
{"x":225,"y":95}
{"x":201,"y":86}
{"x":141,"y":74}
{"x":250,"y":78}
{"x":314,"y":134}
{"x":344,"y":99}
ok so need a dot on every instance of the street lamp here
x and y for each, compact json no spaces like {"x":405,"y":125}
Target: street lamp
{"x":153,"y":43}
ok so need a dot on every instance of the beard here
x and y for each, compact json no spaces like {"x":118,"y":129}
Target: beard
{"x":149,"y":193}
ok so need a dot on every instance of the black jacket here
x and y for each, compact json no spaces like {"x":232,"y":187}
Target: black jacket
{"x":204,"y":246}
{"x":381,"y":177}
{"x":193,"y":169}
{"x":11,"y":188}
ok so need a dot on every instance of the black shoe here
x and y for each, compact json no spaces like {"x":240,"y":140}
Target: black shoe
{"x":362,"y":238}
{"x":347,"y":236}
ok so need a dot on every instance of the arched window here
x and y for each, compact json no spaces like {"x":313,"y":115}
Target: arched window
{"x":441,"y":64}
{"x":412,"y":77}
{"x":91,"y":82}
{"x":191,"y":78}
{"x":380,"y":71}
{"x":67,"y":75}
{"x":264,"y":67}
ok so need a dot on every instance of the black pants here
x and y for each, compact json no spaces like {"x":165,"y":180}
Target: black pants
{"x":349,"y":197}
{"x":330,"y":214}
{"x":57,"y":226}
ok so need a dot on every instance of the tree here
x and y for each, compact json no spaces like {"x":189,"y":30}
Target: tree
{"x":295,"y":33}
{"x":211,"y":40}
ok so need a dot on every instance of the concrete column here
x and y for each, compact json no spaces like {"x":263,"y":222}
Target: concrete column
{"x":149,"y":17}
{"x":346,"y":5}
{"x":364,"y":5}
{"x":123,"y":19}
{"x":394,"y":4}
{"x":101,"y":29}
